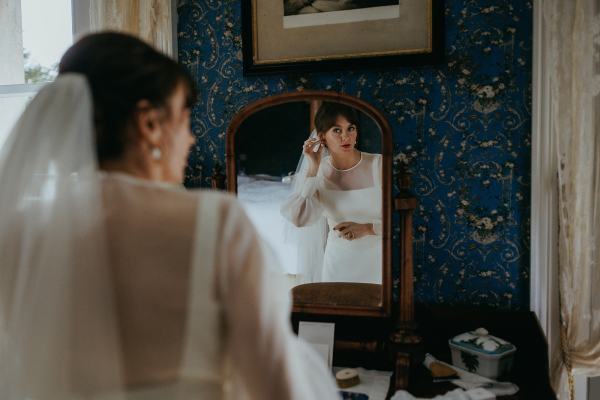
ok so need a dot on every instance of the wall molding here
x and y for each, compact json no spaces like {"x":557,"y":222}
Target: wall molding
{"x":544,"y":197}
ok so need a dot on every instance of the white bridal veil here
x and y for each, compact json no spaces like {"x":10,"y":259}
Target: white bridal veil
{"x":310,"y":240}
{"x":58,"y":337}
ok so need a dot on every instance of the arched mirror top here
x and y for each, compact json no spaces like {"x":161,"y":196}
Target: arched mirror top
{"x":308,"y":95}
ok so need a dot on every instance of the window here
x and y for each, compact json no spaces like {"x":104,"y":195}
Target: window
{"x":33,"y":36}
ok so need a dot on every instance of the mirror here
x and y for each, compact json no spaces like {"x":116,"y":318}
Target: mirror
{"x":309,"y":170}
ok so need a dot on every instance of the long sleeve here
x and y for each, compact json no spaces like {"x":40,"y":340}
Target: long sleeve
{"x":269,"y":359}
{"x":377,"y":227}
{"x":303,"y":208}
{"x":377,"y":180}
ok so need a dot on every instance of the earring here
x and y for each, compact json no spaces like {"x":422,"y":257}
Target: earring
{"x":156,"y":153}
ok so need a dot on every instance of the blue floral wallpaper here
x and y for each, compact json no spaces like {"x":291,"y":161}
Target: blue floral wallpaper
{"x":462,"y":127}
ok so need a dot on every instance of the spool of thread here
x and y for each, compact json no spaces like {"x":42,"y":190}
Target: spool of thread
{"x":347,"y":377}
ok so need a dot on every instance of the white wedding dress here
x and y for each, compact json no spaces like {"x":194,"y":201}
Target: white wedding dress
{"x":351,"y":195}
{"x":117,"y":288}
{"x":237,"y":342}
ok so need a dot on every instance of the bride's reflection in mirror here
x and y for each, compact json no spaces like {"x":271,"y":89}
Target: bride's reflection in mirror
{"x":336,"y":201}
{"x":321,"y":213}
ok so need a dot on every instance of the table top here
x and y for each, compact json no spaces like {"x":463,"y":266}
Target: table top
{"x":438,"y":324}
{"x":365,"y":343}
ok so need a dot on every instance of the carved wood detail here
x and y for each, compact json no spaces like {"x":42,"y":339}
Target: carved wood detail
{"x":405,"y":204}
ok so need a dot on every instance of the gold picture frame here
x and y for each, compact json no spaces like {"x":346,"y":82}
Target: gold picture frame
{"x":376,"y":33}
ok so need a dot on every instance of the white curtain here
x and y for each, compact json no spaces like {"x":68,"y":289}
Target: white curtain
{"x":571,"y":37}
{"x":151,"y":20}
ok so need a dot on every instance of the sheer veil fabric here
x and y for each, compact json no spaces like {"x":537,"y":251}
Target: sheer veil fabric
{"x":310,"y":239}
{"x":56,"y":310}
{"x":111,"y":289}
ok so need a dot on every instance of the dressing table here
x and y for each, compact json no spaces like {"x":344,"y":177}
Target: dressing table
{"x":370,"y":331}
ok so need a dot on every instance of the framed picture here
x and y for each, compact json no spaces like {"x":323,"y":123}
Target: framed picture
{"x":309,"y":35}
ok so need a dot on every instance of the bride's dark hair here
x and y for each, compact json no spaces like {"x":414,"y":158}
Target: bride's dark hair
{"x":122,"y":70}
{"x":328,"y":113}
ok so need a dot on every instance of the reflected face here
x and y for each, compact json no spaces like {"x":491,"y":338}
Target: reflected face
{"x":178,"y":138}
{"x":341,"y":137}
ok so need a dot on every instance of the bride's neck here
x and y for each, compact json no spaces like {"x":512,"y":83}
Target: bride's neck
{"x":134,"y":166}
{"x":345,"y":160}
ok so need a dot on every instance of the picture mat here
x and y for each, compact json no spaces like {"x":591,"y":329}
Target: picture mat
{"x":340,"y":17}
{"x":409,"y":33}
{"x":330,"y":5}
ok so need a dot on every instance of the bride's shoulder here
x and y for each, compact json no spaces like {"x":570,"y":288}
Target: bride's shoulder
{"x":163,"y":198}
{"x":224,"y":203}
{"x":223,"y":199}
{"x":186,"y":204}
{"x":374,"y":157}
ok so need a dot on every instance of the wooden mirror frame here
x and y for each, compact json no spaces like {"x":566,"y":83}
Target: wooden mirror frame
{"x":362,"y":291}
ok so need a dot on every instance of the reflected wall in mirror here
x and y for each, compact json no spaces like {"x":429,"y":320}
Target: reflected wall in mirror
{"x":309,"y":171}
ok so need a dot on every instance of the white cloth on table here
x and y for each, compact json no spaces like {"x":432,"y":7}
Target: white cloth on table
{"x":456,"y":394}
{"x":373,"y":383}
{"x":468,"y":380}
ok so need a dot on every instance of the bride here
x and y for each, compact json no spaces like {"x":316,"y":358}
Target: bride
{"x":337,"y":202}
{"x":115,"y":282}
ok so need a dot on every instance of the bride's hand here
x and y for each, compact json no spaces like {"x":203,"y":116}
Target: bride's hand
{"x":353,"y":230}
{"x":314,"y":157}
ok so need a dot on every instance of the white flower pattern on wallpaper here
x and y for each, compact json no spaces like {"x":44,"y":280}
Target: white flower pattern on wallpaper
{"x":463,"y":128}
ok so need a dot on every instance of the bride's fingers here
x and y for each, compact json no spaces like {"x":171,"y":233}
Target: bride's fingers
{"x":349,"y":235}
{"x":342,"y":226}
{"x":310,"y":143}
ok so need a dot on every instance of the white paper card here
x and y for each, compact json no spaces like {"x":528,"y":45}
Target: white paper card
{"x":323,"y":351}
{"x":320,"y":336}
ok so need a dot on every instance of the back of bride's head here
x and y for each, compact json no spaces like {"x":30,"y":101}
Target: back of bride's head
{"x":122,"y":71}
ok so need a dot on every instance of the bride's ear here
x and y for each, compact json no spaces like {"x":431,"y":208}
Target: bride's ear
{"x":323,"y":141}
{"x":146,"y":122}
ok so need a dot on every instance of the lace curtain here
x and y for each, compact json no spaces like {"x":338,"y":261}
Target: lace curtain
{"x":571,"y":37}
{"x":150,"y":20}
